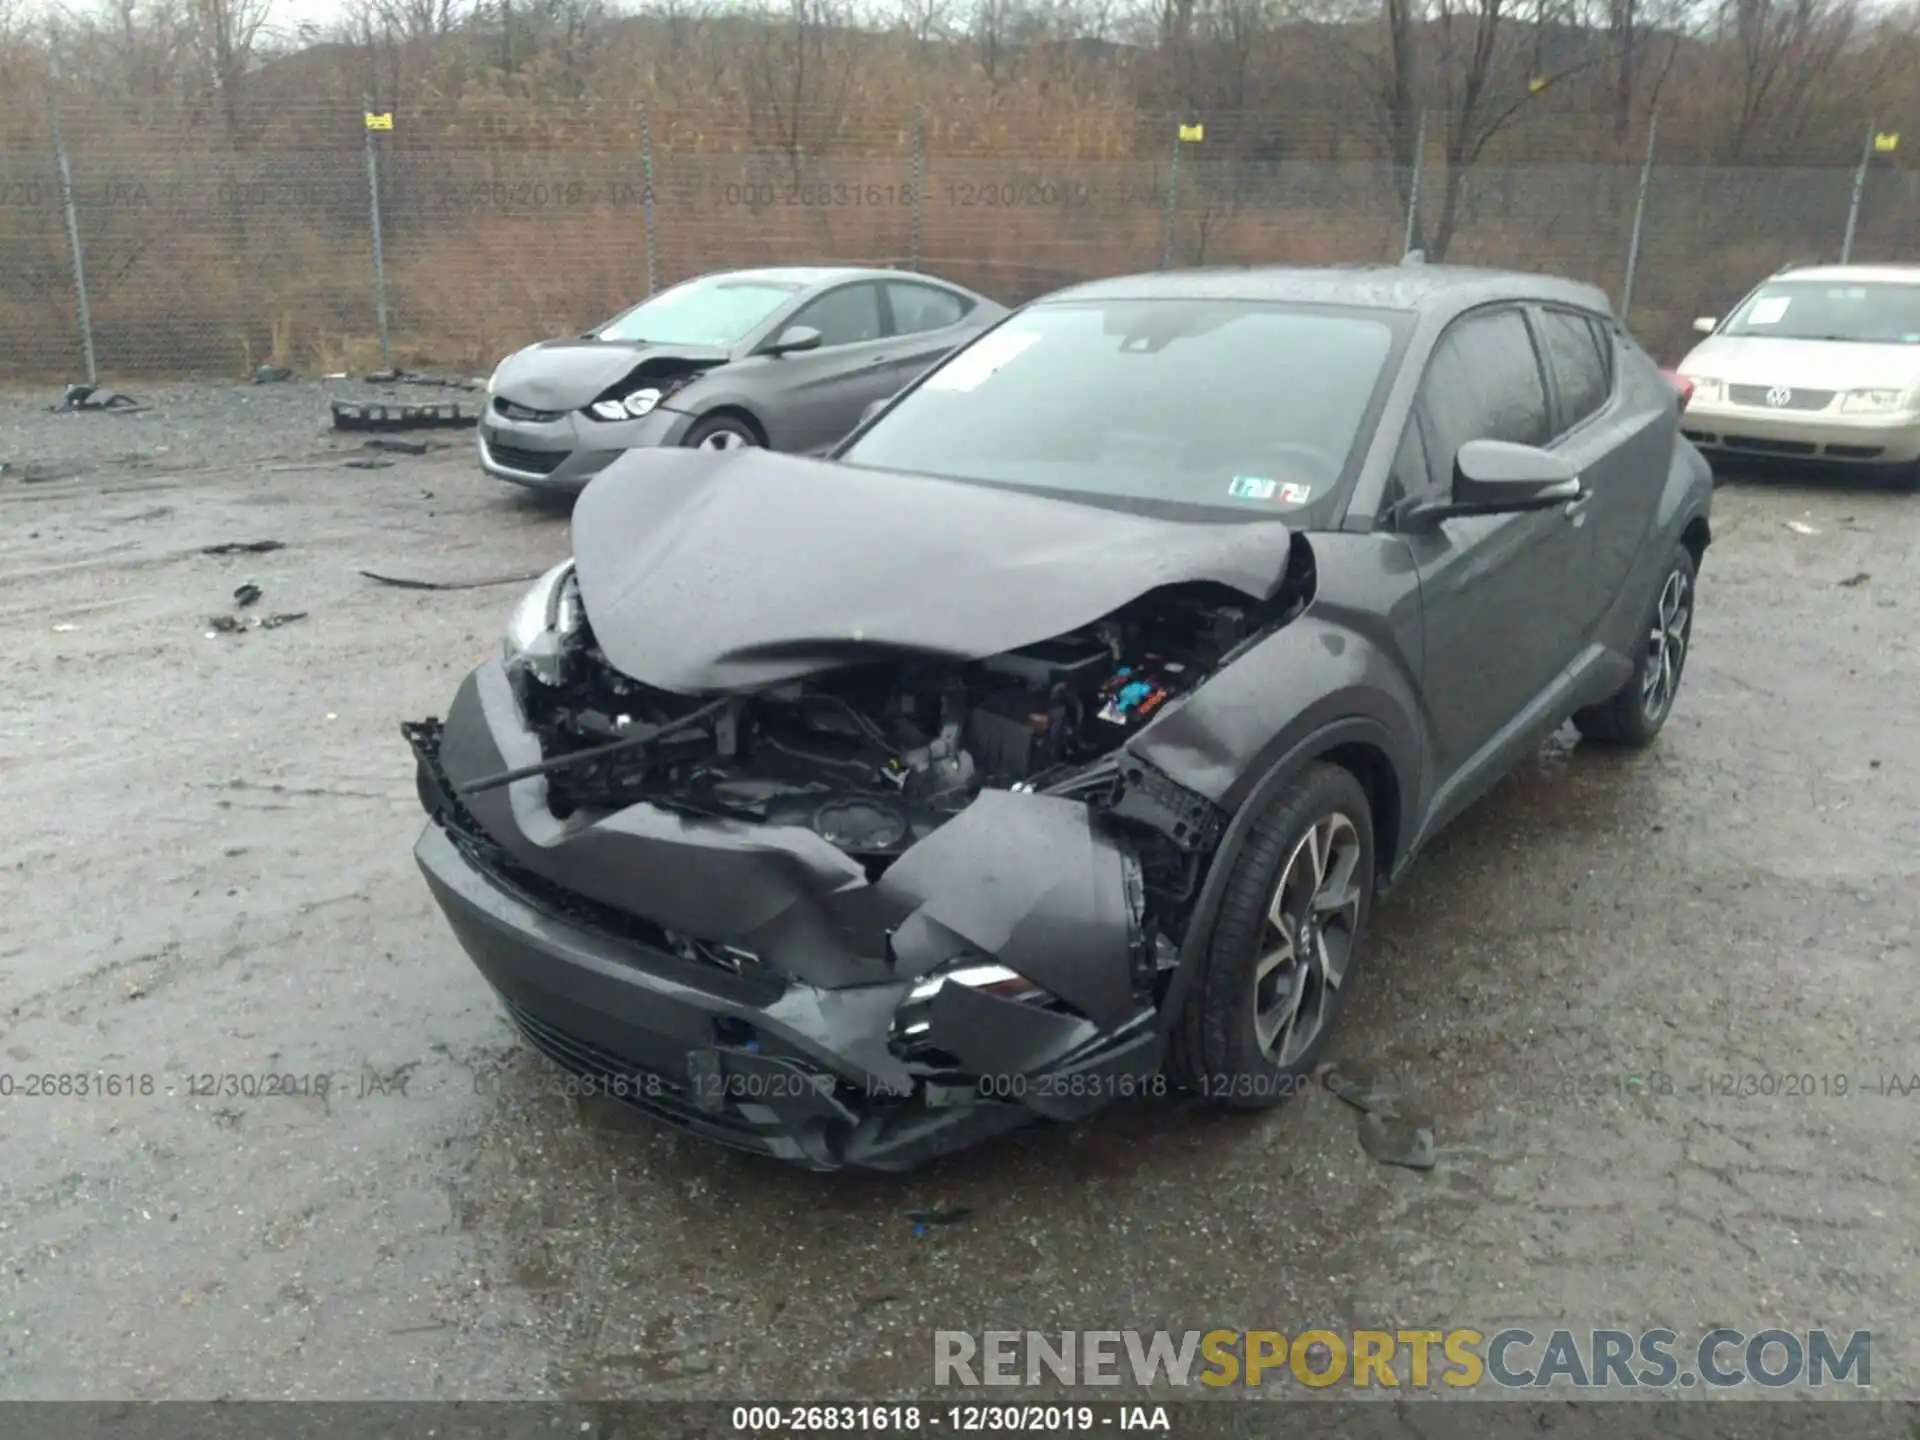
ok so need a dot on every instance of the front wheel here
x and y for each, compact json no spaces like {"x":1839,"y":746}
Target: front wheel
{"x":721,"y":432}
{"x":1285,"y":948}
{"x":1635,"y":715}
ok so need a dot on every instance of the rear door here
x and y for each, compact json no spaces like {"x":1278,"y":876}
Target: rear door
{"x":822,"y":392}
{"x":1600,"y":430}
{"x":927,"y":322}
{"x":1502,"y":597}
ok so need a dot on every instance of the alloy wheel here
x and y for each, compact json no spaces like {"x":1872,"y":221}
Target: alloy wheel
{"x":725,"y":440}
{"x":1307,"y":939}
{"x":1666,"y":645}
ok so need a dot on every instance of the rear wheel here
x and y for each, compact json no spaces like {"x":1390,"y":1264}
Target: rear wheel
{"x":721,"y":432}
{"x":1635,"y":715}
{"x":1285,"y":948}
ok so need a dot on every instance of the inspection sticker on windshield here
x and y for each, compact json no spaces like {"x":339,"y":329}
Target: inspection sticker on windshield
{"x":974,"y":364}
{"x":1255,"y":487}
{"x":1768,"y":312}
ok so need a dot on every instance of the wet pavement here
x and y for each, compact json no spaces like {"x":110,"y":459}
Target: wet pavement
{"x":205,"y":869}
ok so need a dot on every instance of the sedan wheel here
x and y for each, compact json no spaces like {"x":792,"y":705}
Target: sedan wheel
{"x":1285,"y":946}
{"x":721,"y":432}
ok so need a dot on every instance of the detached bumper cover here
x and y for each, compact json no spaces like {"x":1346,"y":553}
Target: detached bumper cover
{"x":742,"y":981}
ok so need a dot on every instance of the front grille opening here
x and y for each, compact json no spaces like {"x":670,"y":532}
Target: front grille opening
{"x":525,"y":413}
{"x":533,"y":462}
{"x":1771,"y":447}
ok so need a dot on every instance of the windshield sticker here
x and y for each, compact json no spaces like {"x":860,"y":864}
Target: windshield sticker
{"x":974,"y":364}
{"x":1768,"y":312}
{"x":1251,"y":487}
{"x":1295,"y":494}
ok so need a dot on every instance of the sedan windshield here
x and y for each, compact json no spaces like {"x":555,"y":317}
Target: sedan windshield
{"x":1874,"y":313}
{"x":1226,"y":403}
{"x":714,"y":310}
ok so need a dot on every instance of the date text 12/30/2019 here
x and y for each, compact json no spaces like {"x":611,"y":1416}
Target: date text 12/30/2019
{"x":955,"y":1419}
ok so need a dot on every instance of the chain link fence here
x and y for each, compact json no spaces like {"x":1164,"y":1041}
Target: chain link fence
{"x":340,"y":244}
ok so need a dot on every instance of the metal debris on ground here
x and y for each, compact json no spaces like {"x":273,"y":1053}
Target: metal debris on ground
{"x":350,"y":416}
{"x":92,"y":397}
{"x":1800,"y":527}
{"x":413,"y":377}
{"x":405,"y":584}
{"x":243,"y":547}
{"x":236,"y":624}
{"x":271,"y":374}
{"x":1397,"y":1142}
{"x":246,"y":595}
{"x":941,"y":1215}
{"x":370,"y":462}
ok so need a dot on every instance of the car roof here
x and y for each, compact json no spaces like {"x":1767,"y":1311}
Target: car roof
{"x":1896,"y":274}
{"x":808,"y":276}
{"x":1445,"y":289}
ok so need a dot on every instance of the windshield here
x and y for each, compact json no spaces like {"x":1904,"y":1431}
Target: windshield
{"x":1205,"y":402}
{"x":710,"y":311}
{"x":1875,"y":313}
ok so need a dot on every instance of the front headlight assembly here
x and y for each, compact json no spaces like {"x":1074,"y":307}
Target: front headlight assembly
{"x":1705,"y":391}
{"x":1872,"y":402}
{"x":911,"y":1020}
{"x":632,"y":407}
{"x":546,"y":616}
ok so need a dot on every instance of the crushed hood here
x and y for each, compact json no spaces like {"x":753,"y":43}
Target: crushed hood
{"x":569,"y":374}
{"x":704,"y":571}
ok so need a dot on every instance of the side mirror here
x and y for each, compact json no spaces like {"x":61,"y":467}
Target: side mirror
{"x":1704,"y":324}
{"x":1495,"y":477}
{"x":792,"y":340}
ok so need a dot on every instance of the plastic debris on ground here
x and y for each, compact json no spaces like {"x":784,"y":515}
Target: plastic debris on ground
{"x":348,"y":415}
{"x":246,"y":595}
{"x":940,"y":1215}
{"x":402,"y":583}
{"x":93,"y":397}
{"x":271,"y":374}
{"x":236,"y":624}
{"x":1853,"y":580}
{"x":1386,"y":1134}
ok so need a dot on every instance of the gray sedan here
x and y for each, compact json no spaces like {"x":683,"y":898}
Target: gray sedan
{"x":786,"y":359}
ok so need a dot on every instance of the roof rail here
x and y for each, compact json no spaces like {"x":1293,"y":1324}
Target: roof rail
{"x":1414,"y":257}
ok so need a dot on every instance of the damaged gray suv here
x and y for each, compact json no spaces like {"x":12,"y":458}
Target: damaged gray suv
{"x":1052,"y":740}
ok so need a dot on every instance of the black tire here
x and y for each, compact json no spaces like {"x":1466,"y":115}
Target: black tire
{"x":1217,"y":1042}
{"x":1635,"y":715}
{"x":722,"y":432}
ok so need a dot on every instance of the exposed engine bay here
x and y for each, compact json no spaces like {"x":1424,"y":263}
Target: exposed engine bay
{"x":874,"y":758}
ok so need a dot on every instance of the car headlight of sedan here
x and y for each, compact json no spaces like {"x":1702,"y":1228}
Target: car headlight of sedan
{"x":1705,"y":391}
{"x":631,"y":407}
{"x":546,"y":616}
{"x":1872,"y":402}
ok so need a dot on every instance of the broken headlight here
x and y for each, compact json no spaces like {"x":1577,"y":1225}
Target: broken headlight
{"x":546,"y":615}
{"x":632,"y":407}
{"x":912,"y":1018}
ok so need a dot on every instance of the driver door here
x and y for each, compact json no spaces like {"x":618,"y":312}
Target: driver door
{"x":1503,"y":598}
{"x":821,"y":392}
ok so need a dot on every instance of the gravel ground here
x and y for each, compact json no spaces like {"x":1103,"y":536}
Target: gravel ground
{"x":205,"y":868}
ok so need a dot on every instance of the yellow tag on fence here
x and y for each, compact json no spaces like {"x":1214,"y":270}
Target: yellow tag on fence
{"x":1885,"y":143}
{"x":1536,"y":85}
{"x":1193,"y":132}
{"x":381,"y":121}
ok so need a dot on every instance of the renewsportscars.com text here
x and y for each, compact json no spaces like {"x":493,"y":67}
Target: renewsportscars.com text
{"x":1458,"y":1358}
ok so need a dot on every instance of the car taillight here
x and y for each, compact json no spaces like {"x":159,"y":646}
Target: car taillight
{"x":1682,"y":386}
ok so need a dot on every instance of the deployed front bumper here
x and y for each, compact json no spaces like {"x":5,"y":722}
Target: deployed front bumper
{"x":773,"y":1030}
{"x":1826,"y":436}
{"x":565,"y":451}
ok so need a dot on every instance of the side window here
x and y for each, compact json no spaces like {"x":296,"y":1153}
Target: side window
{"x":921,"y":307}
{"x":1483,"y":383}
{"x":1579,"y":367}
{"x":846,"y":316}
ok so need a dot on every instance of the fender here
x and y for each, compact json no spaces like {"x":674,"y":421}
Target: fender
{"x":1262,"y":788}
